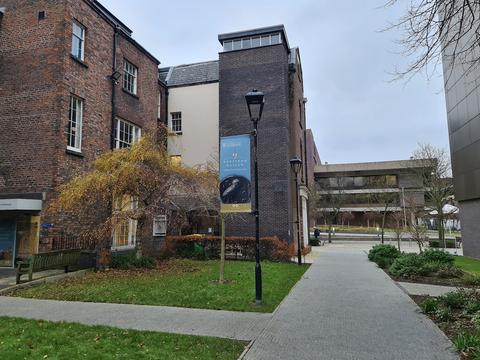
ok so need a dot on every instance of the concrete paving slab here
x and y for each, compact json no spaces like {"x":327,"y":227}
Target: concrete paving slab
{"x":426,"y":289}
{"x":223,"y":324}
{"x":345,"y":308}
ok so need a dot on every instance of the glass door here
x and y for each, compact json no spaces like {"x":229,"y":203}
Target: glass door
{"x":7,"y":243}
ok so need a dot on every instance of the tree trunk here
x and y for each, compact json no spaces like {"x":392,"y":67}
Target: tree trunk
{"x":222,"y":249}
{"x":383,"y":223}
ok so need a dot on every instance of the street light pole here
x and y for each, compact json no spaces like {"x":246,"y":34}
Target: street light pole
{"x":296,"y":165}
{"x":299,"y":250}
{"x":258,"y":267}
{"x":255,"y":101}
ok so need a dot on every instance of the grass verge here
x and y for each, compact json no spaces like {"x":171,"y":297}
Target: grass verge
{"x":182,"y":283}
{"x":468,"y":264}
{"x":32,"y":339}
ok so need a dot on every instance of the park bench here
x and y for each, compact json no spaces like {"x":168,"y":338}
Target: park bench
{"x":47,"y":261}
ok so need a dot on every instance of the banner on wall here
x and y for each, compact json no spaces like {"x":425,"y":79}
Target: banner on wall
{"x":235,"y":174}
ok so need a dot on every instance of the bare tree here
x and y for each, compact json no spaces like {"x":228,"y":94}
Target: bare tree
{"x":435,"y":175}
{"x":399,"y":228}
{"x":433,"y":29}
{"x":330,"y":201}
{"x":386,"y":198}
{"x":346,"y":217}
{"x":416,"y":230}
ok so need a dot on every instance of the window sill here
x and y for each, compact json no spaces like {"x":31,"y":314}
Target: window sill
{"x":78,"y":61}
{"x":74,"y":153}
{"x":131,"y":94}
{"x":123,"y":248}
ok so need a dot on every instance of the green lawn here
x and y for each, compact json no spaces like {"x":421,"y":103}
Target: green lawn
{"x":468,"y":264}
{"x":31,"y":339}
{"x":183,"y":283}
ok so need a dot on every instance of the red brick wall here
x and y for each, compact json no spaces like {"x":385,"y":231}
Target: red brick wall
{"x":37,"y":77}
{"x":30,"y":85}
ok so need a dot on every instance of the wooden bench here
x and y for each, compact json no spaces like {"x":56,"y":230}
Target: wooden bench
{"x":47,"y":261}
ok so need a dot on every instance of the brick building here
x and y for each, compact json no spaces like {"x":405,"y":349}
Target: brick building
{"x":262,"y":59}
{"x":73,"y":84}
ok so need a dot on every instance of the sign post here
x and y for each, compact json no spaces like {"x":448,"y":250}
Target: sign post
{"x":235,"y":184}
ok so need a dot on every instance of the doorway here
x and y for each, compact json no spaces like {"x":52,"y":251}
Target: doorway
{"x":7,"y":243}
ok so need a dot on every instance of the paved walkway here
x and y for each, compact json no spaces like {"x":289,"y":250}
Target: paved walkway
{"x":347,"y":309}
{"x":344,"y":308}
{"x":224,"y":324}
{"x":426,"y":289}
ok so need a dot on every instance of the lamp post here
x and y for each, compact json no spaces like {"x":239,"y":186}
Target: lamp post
{"x":255,"y":101}
{"x":296,"y":165}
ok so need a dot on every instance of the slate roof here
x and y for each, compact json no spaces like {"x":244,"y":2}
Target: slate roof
{"x":190,"y":74}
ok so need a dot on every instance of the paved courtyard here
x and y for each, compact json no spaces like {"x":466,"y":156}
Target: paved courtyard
{"x":344,"y":308}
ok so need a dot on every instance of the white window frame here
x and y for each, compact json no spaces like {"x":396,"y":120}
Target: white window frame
{"x":175,"y":129}
{"x":80,"y":38}
{"x":132,"y":224}
{"x":159,"y":110}
{"x":136,"y":133}
{"x":250,"y":38}
{"x":75,"y":131}
{"x":130,"y":77}
{"x":159,"y":225}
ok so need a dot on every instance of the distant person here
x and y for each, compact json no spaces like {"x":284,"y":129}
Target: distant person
{"x":316,"y":233}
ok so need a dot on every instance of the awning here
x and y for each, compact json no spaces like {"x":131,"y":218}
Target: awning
{"x":22,"y":202}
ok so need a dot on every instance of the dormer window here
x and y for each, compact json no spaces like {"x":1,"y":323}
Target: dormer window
{"x":252,"y":42}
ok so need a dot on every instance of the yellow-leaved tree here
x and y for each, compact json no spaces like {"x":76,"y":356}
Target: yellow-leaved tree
{"x":132,"y":184}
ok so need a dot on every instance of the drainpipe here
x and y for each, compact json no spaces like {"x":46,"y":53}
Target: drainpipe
{"x":306,"y":165}
{"x":114,"y":84}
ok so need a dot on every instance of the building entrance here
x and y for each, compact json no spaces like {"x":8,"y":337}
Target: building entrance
{"x":7,"y":243}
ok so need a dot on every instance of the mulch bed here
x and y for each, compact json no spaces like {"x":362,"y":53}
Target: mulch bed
{"x":459,"y":324}
{"x":432,"y":280}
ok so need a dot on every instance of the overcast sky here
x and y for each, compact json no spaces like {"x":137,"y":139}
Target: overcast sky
{"x":355,"y":112}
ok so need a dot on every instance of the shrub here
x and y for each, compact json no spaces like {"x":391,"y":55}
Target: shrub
{"x":127,"y":261}
{"x":467,"y":342}
{"x":444,"y":314}
{"x":471,"y":279}
{"x":408,"y":265}
{"x":476,"y":321}
{"x":121,"y":261}
{"x":439,"y":256}
{"x":472,"y":307}
{"x":145,"y":262}
{"x":429,"y":305}
{"x":454,"y":299}
{"x":449,"y":244}
{"x":271,"y":248}
{"x":314,"y":242}
{"x":383,"y":255}
{"x":449,"y":271}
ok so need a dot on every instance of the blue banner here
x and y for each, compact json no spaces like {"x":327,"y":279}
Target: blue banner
{"x":235,"y":174}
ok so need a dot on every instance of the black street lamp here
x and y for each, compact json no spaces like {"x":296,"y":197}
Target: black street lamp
{"x":255,"y":101}
{"x":296,"y":165}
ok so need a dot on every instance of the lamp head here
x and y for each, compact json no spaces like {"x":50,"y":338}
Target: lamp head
{"x":255,"y":100}
{"x":296,"y":164}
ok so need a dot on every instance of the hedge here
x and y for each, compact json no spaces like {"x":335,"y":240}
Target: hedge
{"x":450,"y":244}
{"x":237,"y":247}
